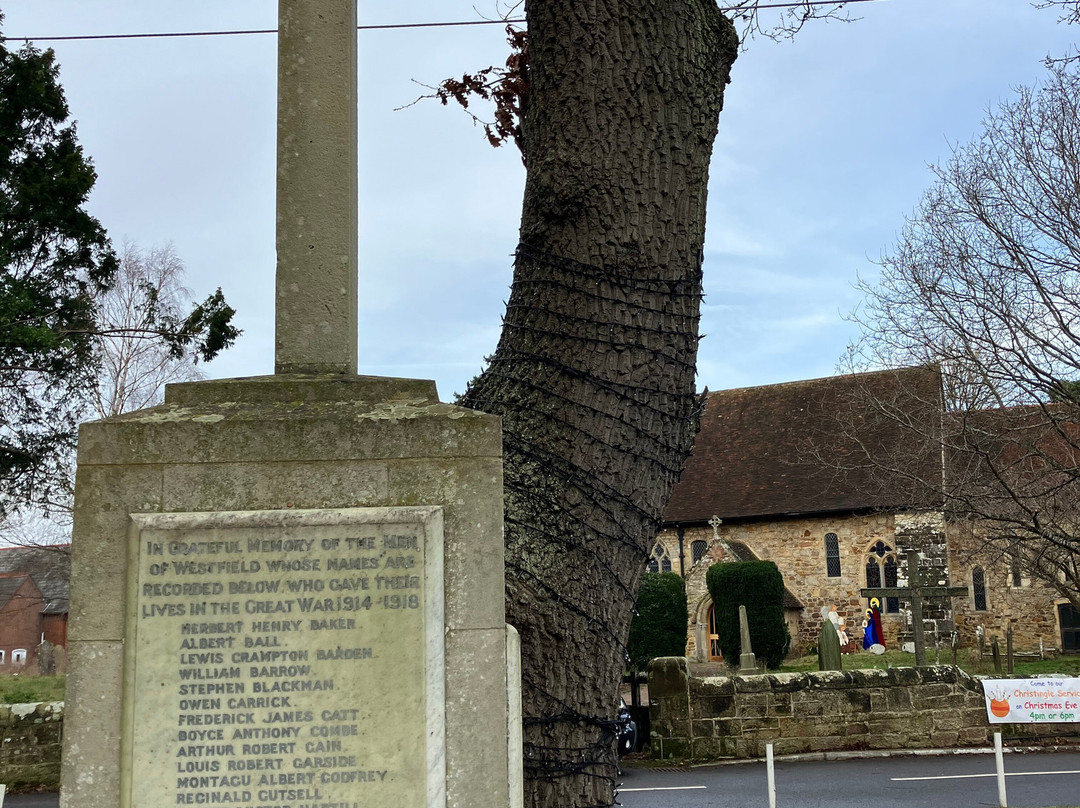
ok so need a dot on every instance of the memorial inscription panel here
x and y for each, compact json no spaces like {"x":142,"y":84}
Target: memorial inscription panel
{"x":285,"y":659}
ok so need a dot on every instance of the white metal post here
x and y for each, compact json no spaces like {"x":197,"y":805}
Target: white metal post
{"x":3,"y":788}
{"x":999,"y":758}
{"x":769,"y":771}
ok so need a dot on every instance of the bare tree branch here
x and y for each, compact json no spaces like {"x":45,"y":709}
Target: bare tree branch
{"x":754,"y":18}
{"x":1070,"y":9}
{"x":985,"y":283}
{"x":134,"y":370}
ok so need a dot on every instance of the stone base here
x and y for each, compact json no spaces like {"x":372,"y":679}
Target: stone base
{"x":281,"y":443}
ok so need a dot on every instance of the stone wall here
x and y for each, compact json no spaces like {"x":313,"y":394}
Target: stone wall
{"x":30,"y":736}
{"x":1030,"y":608}
{"x":896,"y":708}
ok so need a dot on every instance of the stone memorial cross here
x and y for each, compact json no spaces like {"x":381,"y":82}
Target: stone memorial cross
{"x":916,"y":592}
{"x":316,"y":313}
{"x":715,"y":523}
{"x":248,"y":541}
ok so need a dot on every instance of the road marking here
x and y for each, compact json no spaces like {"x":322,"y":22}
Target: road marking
{"x":664,"y":788}
{"x":971,"y":776}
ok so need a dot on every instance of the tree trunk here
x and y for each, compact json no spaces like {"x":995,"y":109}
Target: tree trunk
{"x":594,"y":372}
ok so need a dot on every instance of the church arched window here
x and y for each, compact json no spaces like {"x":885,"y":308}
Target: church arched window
{"x":1016,"y":575}
{"x":883,"y":570}
{"x":891,"y":576}
{"x":698,"y":548}
{"x":978,"y":588}
{"x":661,"y":560}
{"x":832,"y":555}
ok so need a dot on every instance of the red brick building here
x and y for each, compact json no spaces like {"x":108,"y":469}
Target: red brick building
{"x":20,"y":621}
{"x":33,"y":603}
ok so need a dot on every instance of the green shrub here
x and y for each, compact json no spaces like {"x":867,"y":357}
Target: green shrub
{"x":759,"y":586}
{"x":659,"y":625}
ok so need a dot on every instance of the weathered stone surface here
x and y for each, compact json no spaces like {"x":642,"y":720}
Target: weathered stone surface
{"x":898,"y":699}
{"x":788,"y":682}
{"x":388,"y":662}
{"x":316,"y":306}
{"x":668,"y":678}
{"x":944,"y":739}
{"x":791,"y":746}
{"x":780,"y":706}
{"x":713,"y":706}
{"x":826,"y":711}
{"x":807,"y":704}
{"x":702,"y":729}
{"x":92,"y":737}
{"x":752,"y":684}
{"x":292,"y":443}
{"x":720,"y":685}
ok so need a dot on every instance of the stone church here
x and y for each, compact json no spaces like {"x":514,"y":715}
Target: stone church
{"x":778,"y":473}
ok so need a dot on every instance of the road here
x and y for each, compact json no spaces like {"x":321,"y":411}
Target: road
{"x":952,"y":781}
{"x":31,"y":801}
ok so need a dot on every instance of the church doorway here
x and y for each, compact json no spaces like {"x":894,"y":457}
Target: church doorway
{"x":714,"y":638}
{"x":1070,"y":628}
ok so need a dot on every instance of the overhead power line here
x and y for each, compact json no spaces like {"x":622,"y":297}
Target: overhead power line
{"x":385,"y":27}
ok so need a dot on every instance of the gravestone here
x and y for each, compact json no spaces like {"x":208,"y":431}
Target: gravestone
{"x":46,"y":658}
{"x":288,"y":590}
{"x":747,"y":660}
{"x":917,"y":592}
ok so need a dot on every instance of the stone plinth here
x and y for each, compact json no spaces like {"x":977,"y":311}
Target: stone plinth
{"x":292,"y":529}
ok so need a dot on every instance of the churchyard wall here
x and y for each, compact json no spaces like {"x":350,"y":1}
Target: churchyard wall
{"x":897,"y":708}
{"x":30,"y":736}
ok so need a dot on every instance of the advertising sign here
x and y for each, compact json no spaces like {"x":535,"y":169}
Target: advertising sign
{"x":1047,"y":700}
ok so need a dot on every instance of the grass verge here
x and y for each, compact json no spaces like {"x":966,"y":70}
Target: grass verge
{"x":24,"y":689}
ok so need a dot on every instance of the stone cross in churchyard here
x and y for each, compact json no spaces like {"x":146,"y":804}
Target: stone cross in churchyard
{"x":315,"y":330}
{"x":715,"y":523}
{"x":729,"y":554}
{"x":917,"y":591}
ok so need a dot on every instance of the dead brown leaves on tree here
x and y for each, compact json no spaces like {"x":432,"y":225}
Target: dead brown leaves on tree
{"x":506,"y":87}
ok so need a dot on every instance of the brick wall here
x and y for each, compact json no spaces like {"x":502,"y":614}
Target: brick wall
{"x":30,"y":736}
{"x":20,"y":626}
{"x":896,"y":708}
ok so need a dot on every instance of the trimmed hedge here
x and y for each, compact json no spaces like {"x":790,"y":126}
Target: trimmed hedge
{"x":659,"y":625}
{"x":759,"y":586}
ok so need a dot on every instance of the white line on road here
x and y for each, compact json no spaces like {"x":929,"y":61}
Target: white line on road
{"x":665,"y":788}
{"x":971,"y":776}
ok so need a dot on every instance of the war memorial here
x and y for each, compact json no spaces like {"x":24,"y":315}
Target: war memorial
{"x":287,"y":591}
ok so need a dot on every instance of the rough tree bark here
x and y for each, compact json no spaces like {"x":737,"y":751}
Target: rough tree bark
{"x":594,"y":372}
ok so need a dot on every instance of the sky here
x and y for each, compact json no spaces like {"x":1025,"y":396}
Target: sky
{"x":824,"y":148}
